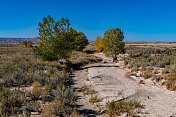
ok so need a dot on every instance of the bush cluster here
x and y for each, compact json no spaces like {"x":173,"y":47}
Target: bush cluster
{"x":151,"y":57}
{"x":11,"y":101}
{"x":41,"y":84}
{"x":27,"y":44}
{"x":145,"y":59}
{"x":117,"y":108}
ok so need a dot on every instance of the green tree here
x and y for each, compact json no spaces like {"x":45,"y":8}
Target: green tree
{"x":81,"y":41}
{"x":57,"y":39}
{"x":29,"y":44}
{"x":24,"y":43}
{"x":113,"y":42}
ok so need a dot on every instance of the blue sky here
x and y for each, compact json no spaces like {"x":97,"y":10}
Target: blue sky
{"x":141,"y":20}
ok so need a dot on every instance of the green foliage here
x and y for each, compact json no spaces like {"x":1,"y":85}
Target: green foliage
{"x":65,"y":95}
{"x":40,"y":44}
{"x":113,"y":42}
{"x":20,"y":68}
{"x":150,"y":57}
{"x":34,"y":106}
{"x":57,"y":38}
{"x":35,"y":93}
{"x":88,"y":91}
{"x":24,"y":43}
{"x":27,"y":44}
{"x":94,"y":99}
{"x":55,"y":108}
{"x":16,"y":77}
{"x":117,"y":108}
{"x":11,"y":101}
{"x":81,"y":41}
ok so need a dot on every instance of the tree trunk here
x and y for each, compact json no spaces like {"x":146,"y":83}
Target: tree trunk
{"x":114,"y":57}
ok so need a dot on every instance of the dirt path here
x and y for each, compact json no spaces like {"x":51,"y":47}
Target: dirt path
{"x":110,"y":81}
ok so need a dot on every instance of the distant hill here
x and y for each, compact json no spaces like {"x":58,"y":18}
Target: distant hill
{"x":17,"y":40}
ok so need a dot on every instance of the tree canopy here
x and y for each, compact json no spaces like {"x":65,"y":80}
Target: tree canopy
{"x":58,"y":39}
{"x":99,"y":44}
{"x":113,"y":42}
{"x":81,"y":40}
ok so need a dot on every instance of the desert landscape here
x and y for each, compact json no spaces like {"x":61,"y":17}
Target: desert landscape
{"x":87,"y":58}
{"x":95,"y":79}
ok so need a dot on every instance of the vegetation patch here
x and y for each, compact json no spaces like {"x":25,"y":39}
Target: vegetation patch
{"x":114,"y":109}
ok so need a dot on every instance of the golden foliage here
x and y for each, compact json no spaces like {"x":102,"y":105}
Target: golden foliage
{"x":99,"y":44}
{"x":40,"y":44}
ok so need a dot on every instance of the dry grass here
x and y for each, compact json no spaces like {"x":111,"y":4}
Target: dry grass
{"x":20,"y":68}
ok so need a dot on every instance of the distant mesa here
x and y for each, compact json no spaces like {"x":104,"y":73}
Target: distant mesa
{"x":17,"y":40}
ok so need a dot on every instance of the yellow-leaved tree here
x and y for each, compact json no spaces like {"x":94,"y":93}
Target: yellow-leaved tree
{"x":99,"y":44}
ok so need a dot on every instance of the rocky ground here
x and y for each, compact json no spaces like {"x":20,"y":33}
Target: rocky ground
{"x":111,"y":82}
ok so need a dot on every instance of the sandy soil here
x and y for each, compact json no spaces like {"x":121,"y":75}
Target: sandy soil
{"x":111,"y":83}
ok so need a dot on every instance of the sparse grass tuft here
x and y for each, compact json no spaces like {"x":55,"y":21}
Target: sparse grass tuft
{"x":117,"y":108}
{"x":94,"y":99}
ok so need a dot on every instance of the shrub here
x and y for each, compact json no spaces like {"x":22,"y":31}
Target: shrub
{"x":24,"y":43}
{"x":94,"y":99}
{"x":11,"y":101}
{"x":147,"y":74}
{"x":29,"y":44}
{"x":117,"y":108}
{"x":88,"y":91}
{"x":36,"y":84}
{"x":134,"y":69}
{"x":65,"y":95}
{"x":143,"y":67}
{"x":46,"y":89}
{"x":40,"y":77}
{"x":15,"y":78}
{"x":171,"y":81}
{"x":59,"y":78}
{"x":55,"y":108}
{"x":45,"y":53}
{"x":35,"y":93}
{"x":34,"y":106}
{"x":76,"y":114}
